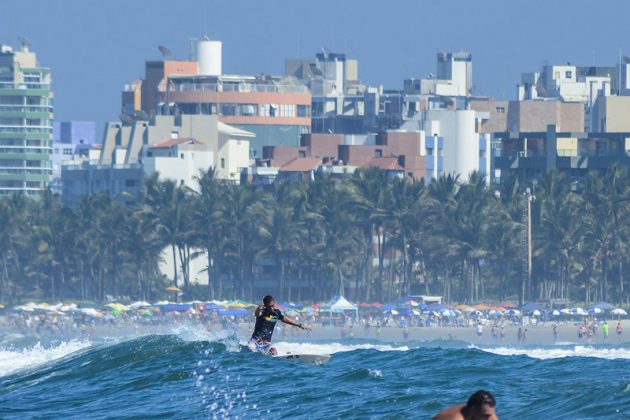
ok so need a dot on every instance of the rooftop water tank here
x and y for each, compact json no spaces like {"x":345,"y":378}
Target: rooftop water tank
{"x":209,"y":57}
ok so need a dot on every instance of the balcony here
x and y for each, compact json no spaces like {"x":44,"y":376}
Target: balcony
{"x":240,"y":87}
{"x":13,"y":85}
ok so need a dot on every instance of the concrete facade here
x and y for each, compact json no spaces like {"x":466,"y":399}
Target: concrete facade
{"x":534,"y":115}
{"x":276,"y":109}
{"x":228,"y":146}
{"x":611,"y":114}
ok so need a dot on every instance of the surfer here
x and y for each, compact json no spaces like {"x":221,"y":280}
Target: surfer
{"x":266,"y":317}
{"x":480,"y":405}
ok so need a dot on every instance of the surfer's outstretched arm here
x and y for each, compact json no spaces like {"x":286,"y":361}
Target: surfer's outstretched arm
{"x":289,"y":321}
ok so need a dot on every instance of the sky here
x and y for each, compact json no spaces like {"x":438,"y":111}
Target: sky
{"x":94,"y":47}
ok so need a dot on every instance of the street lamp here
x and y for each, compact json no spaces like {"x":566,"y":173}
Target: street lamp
{"x":530,"y":197}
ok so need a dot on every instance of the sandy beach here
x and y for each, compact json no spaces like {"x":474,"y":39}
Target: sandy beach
{"x":541,"y":334}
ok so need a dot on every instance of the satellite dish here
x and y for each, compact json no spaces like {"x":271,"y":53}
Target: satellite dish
{"x":24,"y":42}
{"x":165,"y":51}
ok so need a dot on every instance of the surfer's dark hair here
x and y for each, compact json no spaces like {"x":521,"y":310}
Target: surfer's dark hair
{"x":268,"y":299}
{"x":479,"y":398}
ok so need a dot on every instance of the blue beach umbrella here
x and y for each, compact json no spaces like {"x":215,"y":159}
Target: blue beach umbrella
{"x":604,"y":305}
{"x":235,"y":312}
{"x":578,"y":311}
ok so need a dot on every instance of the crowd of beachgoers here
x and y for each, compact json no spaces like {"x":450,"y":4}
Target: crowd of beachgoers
{"x":365,"y":319}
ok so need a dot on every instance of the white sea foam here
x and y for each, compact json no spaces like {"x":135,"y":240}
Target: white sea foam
{"x":13,"y":360}
{"x":555,"y":353}
{"x":331,"y":348}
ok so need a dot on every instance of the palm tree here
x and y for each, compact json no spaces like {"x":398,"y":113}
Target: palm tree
{"x":168,"y":203}
{"x":556,"y":235}
{"x":369,"y":196}
{"x":245,"y":215}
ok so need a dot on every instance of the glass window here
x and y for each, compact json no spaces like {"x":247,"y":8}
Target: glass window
{"x":228,"y":109}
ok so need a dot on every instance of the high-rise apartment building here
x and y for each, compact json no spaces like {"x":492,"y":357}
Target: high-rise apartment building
{"x":26,"y":122}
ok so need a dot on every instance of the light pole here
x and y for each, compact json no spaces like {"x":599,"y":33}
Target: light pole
{"x":530,"y":199}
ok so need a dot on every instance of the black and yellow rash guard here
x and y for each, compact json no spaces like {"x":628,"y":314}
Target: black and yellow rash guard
{"x":263,"y":330}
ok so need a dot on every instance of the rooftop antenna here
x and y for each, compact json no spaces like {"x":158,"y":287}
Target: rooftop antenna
{"x":165,"y":51}
{"x":24,"y":42}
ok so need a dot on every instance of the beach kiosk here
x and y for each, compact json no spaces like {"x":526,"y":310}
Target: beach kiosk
{"x":341,"y":304}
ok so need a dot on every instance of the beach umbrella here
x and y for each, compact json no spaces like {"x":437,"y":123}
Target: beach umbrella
{"x":364,"y":305}
{"x":495,"y":313}
{"x":555,"y":312}
{"x":535,"y":312}
{"x":578,"y":311}
{"x":173,"y":289}
{"x":447,"y":313}
{"x":90,"y":312}
{"x":235,"y":312}
{"x":508,"y":304}
{"x":604,"y":305}
{"x":482,"y":307}
{"x":140,"y":304}
{"x":514,"y":312}
{"x":214,"y":307}
{"x":117,"y":307}
{"x":436,"y":307}
{"x":595,"y":310}
{"x":390,"y":312}
{"x":175,"y":307}
{"x":619,"y":311}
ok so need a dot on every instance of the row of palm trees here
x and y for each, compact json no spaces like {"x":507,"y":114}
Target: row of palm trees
{"x":372,"y":237}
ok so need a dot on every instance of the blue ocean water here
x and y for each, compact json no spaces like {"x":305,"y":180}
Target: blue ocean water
{"x":167,"y":376}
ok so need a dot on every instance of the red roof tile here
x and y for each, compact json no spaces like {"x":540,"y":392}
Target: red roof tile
{"x":384,"y":163}
{"x":301,"y":165}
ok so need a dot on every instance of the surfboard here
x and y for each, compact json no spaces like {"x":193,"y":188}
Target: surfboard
{"x":315,"y":359}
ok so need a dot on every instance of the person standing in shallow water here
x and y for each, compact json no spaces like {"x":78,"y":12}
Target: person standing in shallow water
{"x":266,"y":317}
{"x":480,"y":406}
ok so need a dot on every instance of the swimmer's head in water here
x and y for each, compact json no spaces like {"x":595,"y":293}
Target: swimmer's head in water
{"x":480,"y":405}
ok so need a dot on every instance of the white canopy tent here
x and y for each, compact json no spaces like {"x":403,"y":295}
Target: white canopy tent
{"x":340,"y":304}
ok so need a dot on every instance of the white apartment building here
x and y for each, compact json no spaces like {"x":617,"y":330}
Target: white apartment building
{"x":179,"y":147}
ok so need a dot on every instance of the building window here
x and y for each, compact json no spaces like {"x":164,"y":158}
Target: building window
{"x":568,"y":74}
{"x":500,"y":110}
{"x":303,"y":111}
{"x":181,"y":155}
{"x":130,"y":183}
{"x":248,"y":110}
{"x":378,"y":153}
{"x":302,"y":153}
{"x":228,"y":109}
{"x":222,"y":163}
